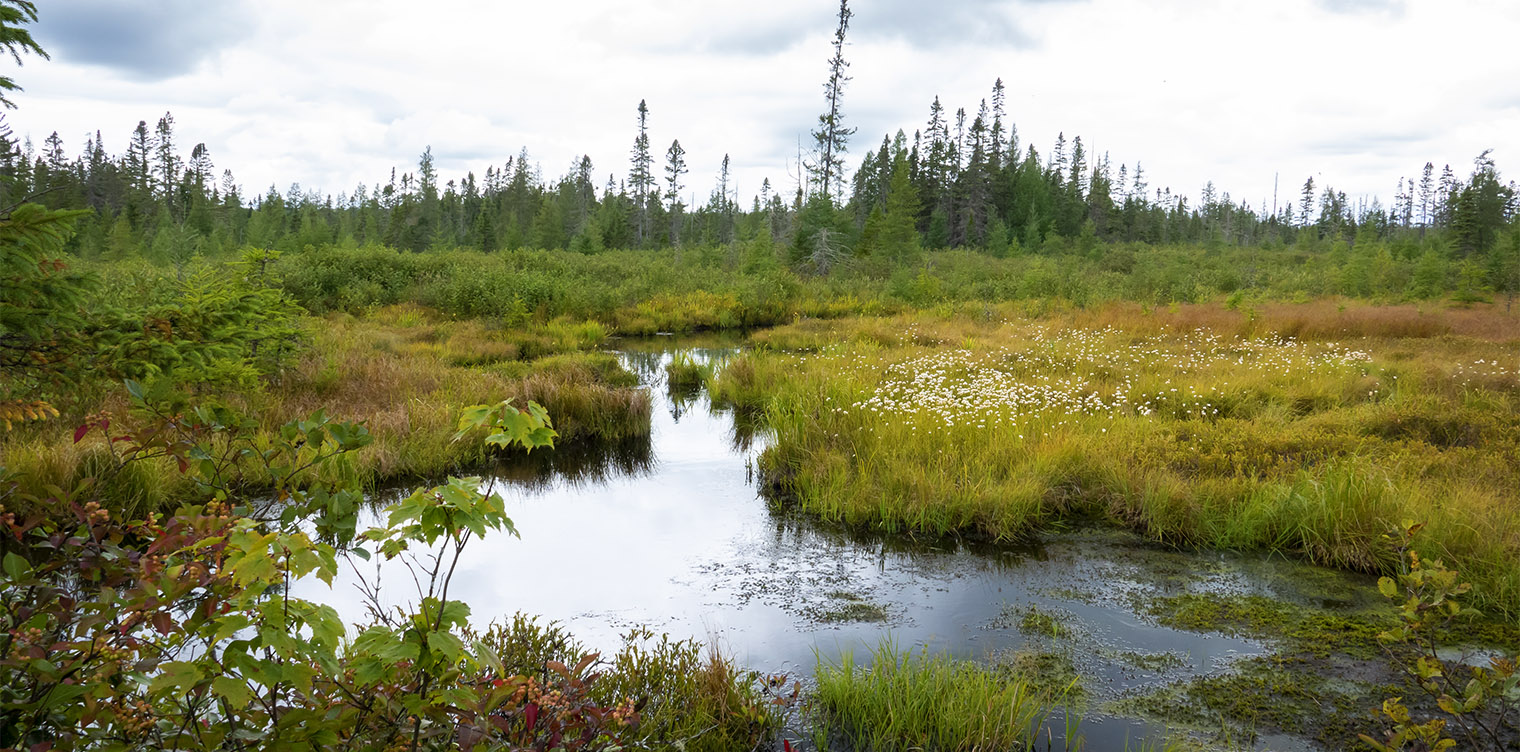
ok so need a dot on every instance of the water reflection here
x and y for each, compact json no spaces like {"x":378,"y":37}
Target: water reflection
{"x":578,"y":464}
{"x":671,"y":532}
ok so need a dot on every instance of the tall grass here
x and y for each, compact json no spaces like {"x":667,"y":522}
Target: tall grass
{"x":907,"y":700}
{"x":404,"y":371}
{"x":1317,"y":449}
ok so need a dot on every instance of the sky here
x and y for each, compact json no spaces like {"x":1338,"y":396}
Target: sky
{"x":333,"y":93}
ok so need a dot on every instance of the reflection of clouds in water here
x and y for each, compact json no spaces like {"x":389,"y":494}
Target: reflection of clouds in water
{"x":672,"y":534}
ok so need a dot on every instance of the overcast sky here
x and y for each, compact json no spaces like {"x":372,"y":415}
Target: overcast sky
{"x":331,"y":93}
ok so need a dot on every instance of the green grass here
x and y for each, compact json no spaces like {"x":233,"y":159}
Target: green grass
{"x":685,"y":374}
{"x":914,"y":700}
{"x":1230,"y":437}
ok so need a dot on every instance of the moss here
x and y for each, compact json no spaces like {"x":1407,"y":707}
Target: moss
{"x":1037,"y":622}
{"x":1264,"y":695}
{"x":848,"y":608}
{"x":1153,"y":662}
{"x":1314,"y":631}
{"x":1034,"y":622}
{"x":1053,"y":674}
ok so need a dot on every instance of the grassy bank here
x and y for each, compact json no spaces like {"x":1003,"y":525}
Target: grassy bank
{"x":404,"y":371}
{"x":1198,"y":426}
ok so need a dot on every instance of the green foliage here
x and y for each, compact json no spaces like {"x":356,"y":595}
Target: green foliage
{"x":44,"y":342}
{"x":211,"y":327}
{"x":180,"y":632}
{"x":1478,"y":710}
{"x":15,"y":39}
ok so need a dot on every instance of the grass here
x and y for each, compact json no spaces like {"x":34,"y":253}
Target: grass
{"x":914,"y":700}
{"x":1196,"y":427}
{"x":404,"y":371}
{"x":684,"y":373}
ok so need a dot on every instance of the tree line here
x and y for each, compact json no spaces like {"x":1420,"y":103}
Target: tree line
{"x":963,"y":180}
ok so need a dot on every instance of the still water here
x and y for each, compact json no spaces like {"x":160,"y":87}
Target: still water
{"x":671,"y":533}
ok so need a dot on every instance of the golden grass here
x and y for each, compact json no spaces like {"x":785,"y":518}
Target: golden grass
{"x":1234,"y":438}
{"x":404,"y":372}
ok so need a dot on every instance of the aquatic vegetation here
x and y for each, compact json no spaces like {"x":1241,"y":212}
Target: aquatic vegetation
{"x":683,"y":373}
{"x":907,"y":699}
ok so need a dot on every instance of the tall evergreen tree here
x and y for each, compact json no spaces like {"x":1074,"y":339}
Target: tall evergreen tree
{"x":1306,"y":203}
{"x":675,"y":167}
{"x":166,"y":162}
{"x":641,"y":177}
{"x":831,"y":138}
{"x":1427,"y":194}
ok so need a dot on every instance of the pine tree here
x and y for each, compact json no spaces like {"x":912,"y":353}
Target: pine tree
{"x":43,"y":338}
{"x":641,"y":177}
{"x":137,"y":162}
{"x":166,"y":163}
{"x":1481,"y":208}
{"x":675,"y":167}
{"x":1306,"y":204}
{"x":831,"y":138}
{"x":898,"y":239}
{"x":1427,"y":195}
{"x":725,"y":206}
{"x":996,"y":134}
{"x":937,"y":156}
{"x":15,"y":39}
{"x":200,"y":166}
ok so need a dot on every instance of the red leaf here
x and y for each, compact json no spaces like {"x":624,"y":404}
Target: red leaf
{"x":80,"y":432}
{"x":530,"y":713}
{"x":183,"y":465}
{"x":161,"y":622}
{"x":786,"y":744}
{"x":105,"y":424}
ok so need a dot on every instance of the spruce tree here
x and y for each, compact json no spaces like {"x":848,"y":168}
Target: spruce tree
{"x":831,"y":138}
{"x":675,"y":167}
{"x":15,"y":39}
{"x":898,"y":238}
{"x":641,"y":177}
{"x":166,"y":162}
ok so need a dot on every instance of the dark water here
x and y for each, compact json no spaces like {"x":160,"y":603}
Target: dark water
{"x":671,"y":533}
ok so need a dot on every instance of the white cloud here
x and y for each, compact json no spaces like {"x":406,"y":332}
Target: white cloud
{"x":335,"y":93}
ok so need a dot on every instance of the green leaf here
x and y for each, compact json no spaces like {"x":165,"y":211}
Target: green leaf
{"x":1388,"y":587}
{"x":236,"y":692}
{"x":16,"y":567}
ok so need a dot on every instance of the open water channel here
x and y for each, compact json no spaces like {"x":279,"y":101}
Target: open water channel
{"x":673,"y":534}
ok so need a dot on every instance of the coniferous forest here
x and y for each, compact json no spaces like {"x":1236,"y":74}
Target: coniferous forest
{"x":949,"y":440}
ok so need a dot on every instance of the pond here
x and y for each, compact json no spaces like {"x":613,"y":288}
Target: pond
{"x":672,"y":533}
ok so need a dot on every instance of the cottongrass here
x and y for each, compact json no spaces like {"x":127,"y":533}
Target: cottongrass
{"x":1258,"y":441}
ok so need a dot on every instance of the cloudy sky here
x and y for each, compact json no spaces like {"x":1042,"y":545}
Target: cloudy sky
{"x":331,"y":93}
